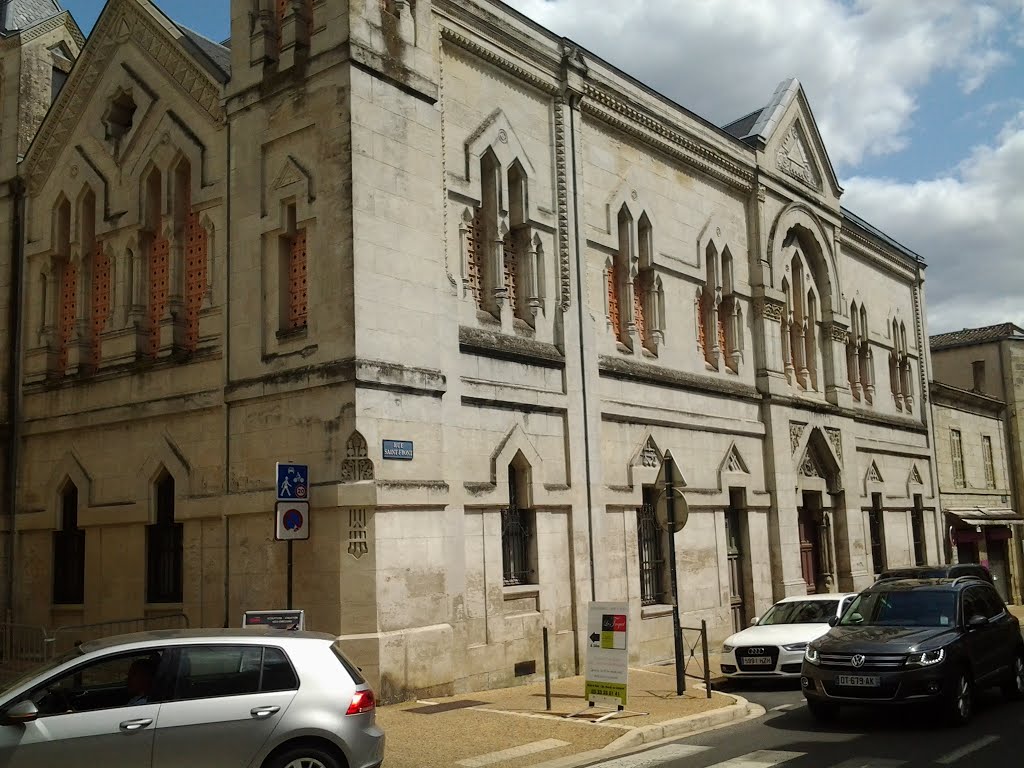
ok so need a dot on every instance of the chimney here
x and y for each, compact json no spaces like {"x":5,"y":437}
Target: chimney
{"x":979,"y":375}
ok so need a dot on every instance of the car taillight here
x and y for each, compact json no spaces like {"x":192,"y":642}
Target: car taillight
{"x":362,"y":701}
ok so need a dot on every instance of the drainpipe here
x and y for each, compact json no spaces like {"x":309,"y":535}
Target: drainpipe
{"x":924,"y":383}
{"x":17,"y":191}
{"x":580,"y":266}
{"x":225,"y":522}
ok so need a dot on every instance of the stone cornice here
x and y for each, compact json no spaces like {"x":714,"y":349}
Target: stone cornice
{"x":616,"y":111}
{"x":457,"y":38}
{"x":514,"y":348}
{"x":872,"y":249}
{"x":657,"y":375}
{"x":120,"y":22}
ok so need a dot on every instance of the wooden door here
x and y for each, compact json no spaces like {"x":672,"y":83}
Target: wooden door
{"x":734,"y":542}
{"x":809,"y":556}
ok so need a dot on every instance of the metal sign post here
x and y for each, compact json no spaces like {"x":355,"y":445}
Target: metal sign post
{"x":292,"y":510}
{"x":673,"y":524}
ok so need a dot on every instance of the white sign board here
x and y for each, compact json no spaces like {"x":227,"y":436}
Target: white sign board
{"x":292,"y":520}
{"x":607,"y":669}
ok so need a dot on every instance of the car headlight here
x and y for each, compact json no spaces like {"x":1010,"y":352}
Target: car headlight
{"x":795,"y":646}
{"x":926,"y":659}
{"x":811,"y":655}
{"x":728,"y":648}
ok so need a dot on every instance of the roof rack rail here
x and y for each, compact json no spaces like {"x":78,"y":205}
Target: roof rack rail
{"x":968,"y":577}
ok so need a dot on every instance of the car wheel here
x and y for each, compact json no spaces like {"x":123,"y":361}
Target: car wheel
{"x":823,"y":711}
{"x":303,"y":756}
{"x":960,"y":699}
{"x":1013,"y":688}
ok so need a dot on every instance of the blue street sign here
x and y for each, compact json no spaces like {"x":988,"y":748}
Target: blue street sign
{"x":400,"y":450}
{"x":292,"y":482}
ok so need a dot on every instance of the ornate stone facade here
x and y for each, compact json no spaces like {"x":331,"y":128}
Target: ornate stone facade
{"x":453,"y":154}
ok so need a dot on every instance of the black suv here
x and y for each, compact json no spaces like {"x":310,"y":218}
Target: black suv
{"x":916,"y":640}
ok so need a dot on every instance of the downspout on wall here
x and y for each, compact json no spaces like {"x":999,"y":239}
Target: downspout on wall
{"x":17,"y":192}
{"x":225,"y":520}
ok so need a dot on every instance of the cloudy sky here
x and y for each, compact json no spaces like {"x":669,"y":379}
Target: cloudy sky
{"x":921,"y":105}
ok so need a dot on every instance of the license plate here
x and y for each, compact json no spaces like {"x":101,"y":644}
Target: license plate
{"x":859,"y":681}
{"x":758,"y":661}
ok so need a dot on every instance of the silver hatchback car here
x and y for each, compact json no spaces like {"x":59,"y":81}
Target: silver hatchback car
{"x":251,"y":698}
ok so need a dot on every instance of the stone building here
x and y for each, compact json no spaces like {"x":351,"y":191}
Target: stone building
{"x":984,"y":367}
{"x":974,"y":484}
{"x":436,"y":222}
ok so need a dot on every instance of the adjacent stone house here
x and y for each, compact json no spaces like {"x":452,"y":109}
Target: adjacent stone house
{"x":436,"y":222}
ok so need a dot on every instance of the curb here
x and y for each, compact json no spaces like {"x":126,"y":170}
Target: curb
{"x":630,"y":743}
{"x":645,"y":734}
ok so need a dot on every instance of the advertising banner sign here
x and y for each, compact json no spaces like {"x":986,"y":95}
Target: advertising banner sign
{"x":607,"y":671}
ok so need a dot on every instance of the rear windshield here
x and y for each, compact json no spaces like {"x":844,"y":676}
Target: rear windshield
{"x":899,"y":608}
{"x":351,"y":668}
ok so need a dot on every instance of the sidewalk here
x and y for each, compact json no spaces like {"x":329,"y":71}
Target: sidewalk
{"x":510,"y":728}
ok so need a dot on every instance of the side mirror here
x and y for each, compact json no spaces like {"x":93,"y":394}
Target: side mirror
{"x":977,"y":620}
{"x":833,"y":621}
{"x":753,"y":621}
{"x":22,"y":712}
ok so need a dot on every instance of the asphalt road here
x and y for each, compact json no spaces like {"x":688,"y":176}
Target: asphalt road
{"x":788,"y":737}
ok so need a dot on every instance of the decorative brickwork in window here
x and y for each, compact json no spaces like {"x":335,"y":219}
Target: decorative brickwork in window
{"x":613,"y":299}
{"x":68,"y":312}
{"x":723,"y":348}
{"x":702,"y":336}
{"x":280,"y":9}
{"x":196,"y":255}
{"x":297,"y":295}
{"x":159,"y":257}
{"x":100,"y":302}
{"x":511,"y":270}
{"x":474,"y":261}
{"x":638,"y":308}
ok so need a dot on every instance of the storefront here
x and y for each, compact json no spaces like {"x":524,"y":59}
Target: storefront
{"x":990,"y":537}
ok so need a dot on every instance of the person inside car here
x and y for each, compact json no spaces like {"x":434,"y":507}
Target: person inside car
{"x":140,"y":679}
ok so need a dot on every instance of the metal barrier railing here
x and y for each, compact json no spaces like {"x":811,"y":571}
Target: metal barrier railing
{"x":25,"y":646}
{"x":704,"y":665}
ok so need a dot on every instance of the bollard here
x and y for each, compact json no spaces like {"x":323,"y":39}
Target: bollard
{"x":547,"y":673}
{"x":707,"y":670}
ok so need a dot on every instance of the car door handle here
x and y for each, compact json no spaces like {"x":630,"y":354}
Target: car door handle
{"x":261,"y":713}
{"x":136,"y":725}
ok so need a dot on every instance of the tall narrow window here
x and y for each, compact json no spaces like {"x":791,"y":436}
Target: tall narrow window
{"x":99,"y":279}
{"x":645,"y":289}
{"x":990,"y":467}
{"x":489,"y":272}
{"x":294,"y":308}
{"x":709,"y":309}
{"x":852,"y":356}
{"x":957,"y":453}
{"x":158,"y":257}
{"x":623,"y":262}
{"x":164,"y":548}
{"x":517,"y":533}
{"x":520,"y":270}
{"x":917,"y":527}
{"x":650,"y":550}
{"x":67,"y":308}
{"x":866,"y":359}
{"x":195,"y":242}
{"x":877,"y":534}
{"x":801,"y":344}
{"x":730,"y":317}
{"x":69,"y":552}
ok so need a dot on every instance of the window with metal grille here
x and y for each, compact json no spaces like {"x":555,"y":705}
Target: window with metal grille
{"x":956,"y":446}
{"x":990,"y":467}
{"x":876,"y":532}
{"x":517,"y":536}
{"x":917,"y":526}
{"x":651,"y":550}
{"x":196,"y":257}
{"x":164,"y":548}
{"x":69,"y":553}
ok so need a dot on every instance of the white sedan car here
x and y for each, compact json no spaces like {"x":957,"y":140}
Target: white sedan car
{"x":774,"y":646}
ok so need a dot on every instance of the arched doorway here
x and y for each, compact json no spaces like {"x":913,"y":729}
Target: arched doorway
{"x":820,"y":503}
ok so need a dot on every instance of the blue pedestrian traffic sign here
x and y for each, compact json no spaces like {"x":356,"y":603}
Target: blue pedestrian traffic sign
{"x":292,"y":482}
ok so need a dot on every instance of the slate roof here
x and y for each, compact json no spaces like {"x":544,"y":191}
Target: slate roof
{"x":879,"y":234}
{"x":758,"y":126}
{"x":16,"y":15}
{"x":207,"y":51}
{"x":971,"y":336}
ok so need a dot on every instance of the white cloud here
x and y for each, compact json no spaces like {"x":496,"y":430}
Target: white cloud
{"x":969,"y":227}
{"x":861,"y":63}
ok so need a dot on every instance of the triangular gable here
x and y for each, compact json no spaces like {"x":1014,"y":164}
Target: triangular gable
{"x":734,"y":462}
{"x":915,"y":476}
{"x":121,"y":21}
{"x":810,"y":465}
{"x":873,"y":475}
{"x":788,"y":134}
